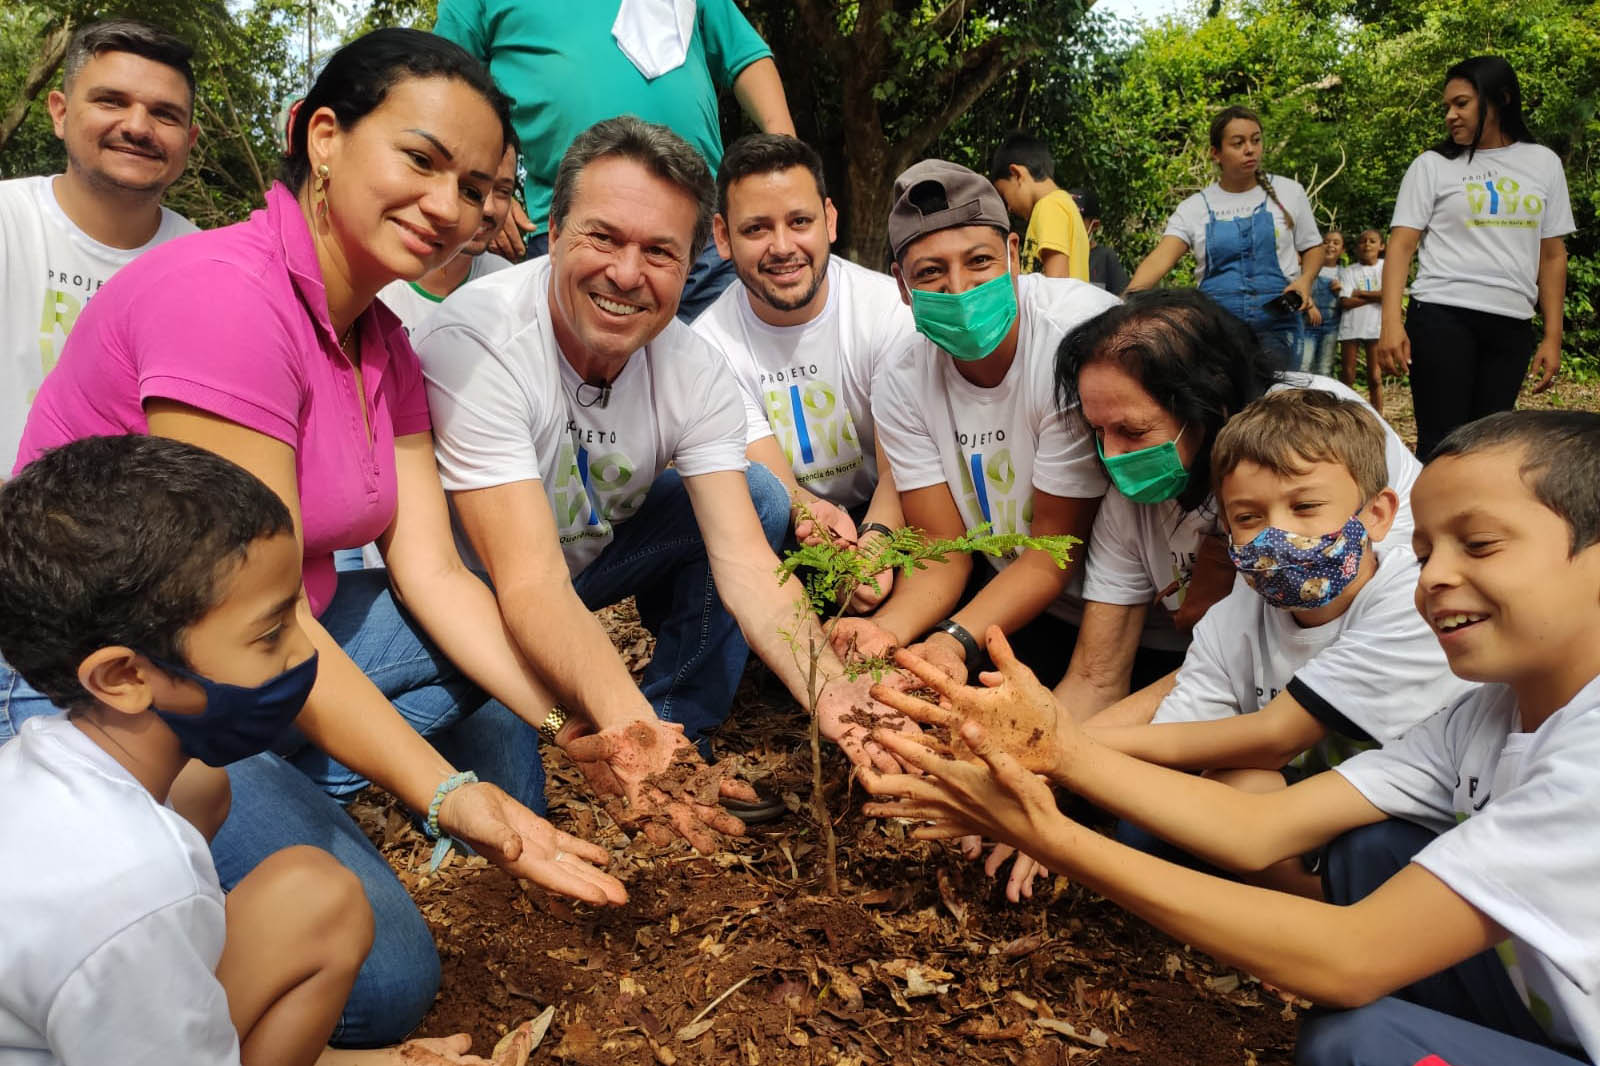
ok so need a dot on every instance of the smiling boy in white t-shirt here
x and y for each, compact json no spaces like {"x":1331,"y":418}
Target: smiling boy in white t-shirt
{"x":1461,"y":860}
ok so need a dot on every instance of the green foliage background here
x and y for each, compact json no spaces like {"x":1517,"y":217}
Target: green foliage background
{"x":1348,"y":90}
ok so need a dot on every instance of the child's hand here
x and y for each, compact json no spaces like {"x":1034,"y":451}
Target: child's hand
{"x":849,"y":716}
{"x":995,"y":797}
{"x":1024,"y":871}
{"x":861,"y":638}
{"x":1021,"y":714}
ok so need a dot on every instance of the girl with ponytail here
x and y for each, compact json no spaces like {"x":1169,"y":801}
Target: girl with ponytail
{"x":1256,"y":246}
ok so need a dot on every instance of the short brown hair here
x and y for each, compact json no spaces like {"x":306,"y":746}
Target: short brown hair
{"x":1289,"y":428}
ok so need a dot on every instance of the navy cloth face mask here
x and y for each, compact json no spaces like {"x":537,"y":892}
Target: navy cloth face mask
{"x":1297,"y":572}
{"x":238,"y":722}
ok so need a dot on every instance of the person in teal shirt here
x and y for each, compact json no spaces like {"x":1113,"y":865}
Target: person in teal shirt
{"x":565,"y":68}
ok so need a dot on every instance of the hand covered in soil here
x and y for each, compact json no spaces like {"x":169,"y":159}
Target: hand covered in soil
{"x":942,"y":652}
{"x":865,"y":598}
{"x":995,"y":796}
{"x":837,"y":525}
{"x":861,"y":638}
{"x":1020,"y":714}
{"x":525,"y":845}
{"x":652,"y":777}
{"x":847,"y":715}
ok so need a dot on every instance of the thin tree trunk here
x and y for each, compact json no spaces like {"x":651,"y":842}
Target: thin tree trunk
{"x":52,"y":49}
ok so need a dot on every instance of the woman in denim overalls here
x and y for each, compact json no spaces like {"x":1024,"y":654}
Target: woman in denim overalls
{"x":1242,"y":248}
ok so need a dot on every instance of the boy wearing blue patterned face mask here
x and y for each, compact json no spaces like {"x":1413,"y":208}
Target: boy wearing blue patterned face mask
{"x":1320,"y":639}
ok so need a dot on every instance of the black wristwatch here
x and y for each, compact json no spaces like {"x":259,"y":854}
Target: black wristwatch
{"x":969,"y":644}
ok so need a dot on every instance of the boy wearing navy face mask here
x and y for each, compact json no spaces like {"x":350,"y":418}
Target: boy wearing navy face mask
{"x":149,"y":587}
{"x":1320,"y":650}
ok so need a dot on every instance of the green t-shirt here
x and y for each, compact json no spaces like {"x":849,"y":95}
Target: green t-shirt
{"x":564,"y":72}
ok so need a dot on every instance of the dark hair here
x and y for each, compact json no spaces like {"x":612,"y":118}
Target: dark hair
{"x":766,"y":153}
{"x":143,"y":39}
{"x":1023,"y":150}
{"x":657,"y":149}
{"x":1496,"y":85}
{"x":358,"y":76}
{"x":1560,"y":461}
{"x":1088,"y":202}
{"x":119,"y":541}
{"x":1194,"y":359}
{"x":1219,"y":127}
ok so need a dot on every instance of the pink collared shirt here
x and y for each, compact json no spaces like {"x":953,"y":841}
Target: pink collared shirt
{"x":234,"y":322}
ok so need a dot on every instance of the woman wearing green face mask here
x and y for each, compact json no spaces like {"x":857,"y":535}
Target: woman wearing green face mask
{"x":966,"y":414}
{"x":1155,"y":379}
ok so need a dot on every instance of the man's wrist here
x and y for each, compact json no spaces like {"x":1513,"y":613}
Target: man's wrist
{"x":956,"y":635}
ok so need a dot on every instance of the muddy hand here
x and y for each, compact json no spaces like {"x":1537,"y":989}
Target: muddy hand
{"x":1024,"y":871}
{"x":662,"y":779}
{"x":449,"y":1050}
{"x":525,"y":845}
{"x":995,"y":797}
{"x":861,"y":638}
{"x":1020,"y":714}
{"x":847,"y":715}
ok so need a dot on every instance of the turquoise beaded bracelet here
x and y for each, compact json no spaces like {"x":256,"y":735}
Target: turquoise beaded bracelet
{"x":445,"y":840}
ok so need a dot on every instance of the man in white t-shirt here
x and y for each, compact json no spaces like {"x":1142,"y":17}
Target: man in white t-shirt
{"x":968,"y":417}
{"x":805,"y":333}
{"x":561,"y":391}
{"x":413,"y":301}
{"x":125,"y":114}
{"x":1460,"y":859}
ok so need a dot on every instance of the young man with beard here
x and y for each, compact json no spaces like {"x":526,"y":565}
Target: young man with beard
{"x":125,"y":113}
{"x":805,"y":334}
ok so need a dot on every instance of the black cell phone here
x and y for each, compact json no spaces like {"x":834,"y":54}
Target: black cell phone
{"x":1285,"y":303}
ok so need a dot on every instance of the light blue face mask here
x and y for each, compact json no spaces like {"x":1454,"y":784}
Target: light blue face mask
{"x":969,"y":325}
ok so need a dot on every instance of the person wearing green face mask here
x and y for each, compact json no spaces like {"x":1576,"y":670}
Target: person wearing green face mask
{"x":1155,"y":380}
{"x":966,"y":416}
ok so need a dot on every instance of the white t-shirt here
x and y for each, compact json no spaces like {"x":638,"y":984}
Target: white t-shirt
{"x":1516,"y":814}
{"x":810,"y":385}
{"x":412,"y":304}
{"x":1364,"y":322}
{"x":1188,"y":222}
{"x":505,"y":408}
{"x":1368,"y":676}
{"x":1142,"y":553}
{"x":48,"y":270}
{"x":116,"y":919}
{"x":994,"y":446}
{"x":1482,"y":222}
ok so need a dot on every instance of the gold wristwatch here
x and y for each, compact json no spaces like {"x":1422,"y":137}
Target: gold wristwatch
{"x":552,"y":724}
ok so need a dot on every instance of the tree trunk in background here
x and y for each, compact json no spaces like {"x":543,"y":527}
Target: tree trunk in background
{"x":51,"y":51}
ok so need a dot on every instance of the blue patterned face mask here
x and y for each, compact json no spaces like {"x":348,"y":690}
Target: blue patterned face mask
{"x":1301,"y":573}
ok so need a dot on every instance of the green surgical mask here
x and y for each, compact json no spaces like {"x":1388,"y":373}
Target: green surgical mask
{"x":969,"y":325}
{"x":1149,"y":475}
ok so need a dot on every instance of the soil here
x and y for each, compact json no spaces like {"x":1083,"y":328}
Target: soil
{"x":920,"y":961}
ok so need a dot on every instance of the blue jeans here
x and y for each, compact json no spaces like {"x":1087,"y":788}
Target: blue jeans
{"x":280,"y":800}
{"x":658,"y":557}
{"x":709,"y":275}
{"x":1468,"y":1015}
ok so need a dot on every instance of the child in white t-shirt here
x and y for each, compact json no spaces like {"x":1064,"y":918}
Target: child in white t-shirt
{"x":152,"y":589}
{"x":1460,"y":860}
{"x":1361,"y":298}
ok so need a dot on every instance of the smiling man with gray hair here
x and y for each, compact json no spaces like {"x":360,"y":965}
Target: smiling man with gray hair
{"x":594,"y":448}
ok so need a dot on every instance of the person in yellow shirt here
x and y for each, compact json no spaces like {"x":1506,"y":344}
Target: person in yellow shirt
{"x":1056,"y":243}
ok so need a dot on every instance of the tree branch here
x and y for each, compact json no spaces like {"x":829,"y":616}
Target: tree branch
{"x":52,"y":49}
{"x":976,"y":81}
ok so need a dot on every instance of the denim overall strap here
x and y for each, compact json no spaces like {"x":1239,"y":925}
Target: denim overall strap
{"x":1242,"y":273}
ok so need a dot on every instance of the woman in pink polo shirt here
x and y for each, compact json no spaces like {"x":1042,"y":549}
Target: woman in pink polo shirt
{"x":263,"y":343}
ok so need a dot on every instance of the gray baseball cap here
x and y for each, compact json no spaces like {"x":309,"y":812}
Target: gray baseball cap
{"x":963,"y":198}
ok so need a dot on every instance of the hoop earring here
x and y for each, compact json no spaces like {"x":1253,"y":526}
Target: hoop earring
{"x":319,"y":192}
